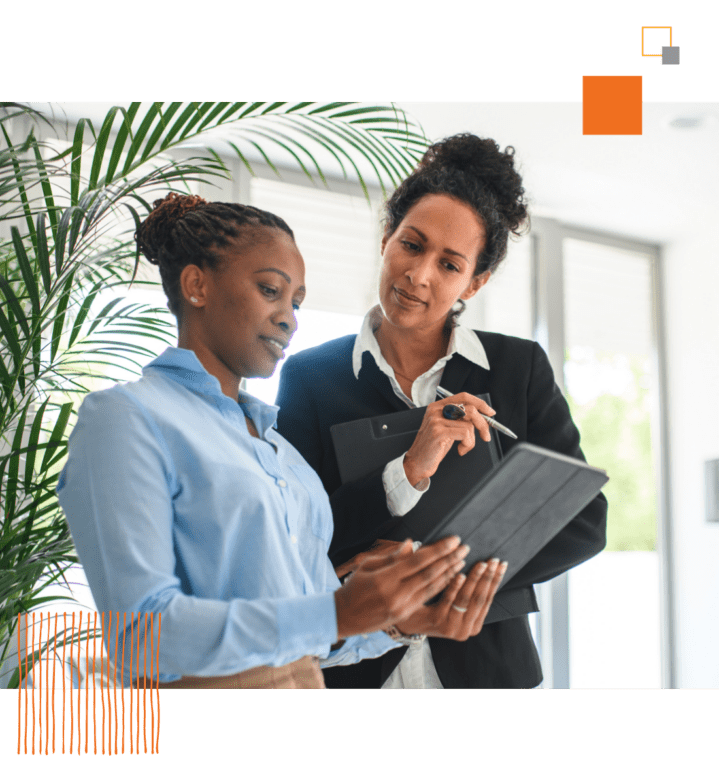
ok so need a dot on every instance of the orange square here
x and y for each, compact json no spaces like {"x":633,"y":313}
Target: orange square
{"x":612,"y":106}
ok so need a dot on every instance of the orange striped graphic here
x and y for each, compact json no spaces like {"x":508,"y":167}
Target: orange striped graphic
{"x":70,"y":649}
{"x":33,"y":690}
{"x":132,"y":643}
{"x":54,"y":655}
{"x":105,"y":683}
{"x":64,"y":633}
{"x":19,"y":687}
{"x":79,"y":685}
{"x":114,"y":679}
{"x":157,"y":667}
{"x":39,"y":702}
{"x":122,"y":693}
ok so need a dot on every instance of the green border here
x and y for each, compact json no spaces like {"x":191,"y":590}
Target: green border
{"x":502,"y":51}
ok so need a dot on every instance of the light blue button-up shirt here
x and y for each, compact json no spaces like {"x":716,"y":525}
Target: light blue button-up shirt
{"x":176,"y":509}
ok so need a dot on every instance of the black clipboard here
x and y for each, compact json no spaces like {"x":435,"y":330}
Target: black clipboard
{"x":501,"y":507}
{"x":364,"y":445}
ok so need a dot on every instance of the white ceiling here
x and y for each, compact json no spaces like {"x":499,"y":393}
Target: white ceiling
{"x":658,"y":187}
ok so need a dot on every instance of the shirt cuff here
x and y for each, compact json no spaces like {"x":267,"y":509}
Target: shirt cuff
{"x":360,"y":647}
{"x":401,"y":496}
{"x":307,"y":624}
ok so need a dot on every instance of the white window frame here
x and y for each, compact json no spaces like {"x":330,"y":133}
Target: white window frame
{"x":548,"y":238}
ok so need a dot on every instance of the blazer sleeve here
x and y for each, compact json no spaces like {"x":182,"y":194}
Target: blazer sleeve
{"x":359,"y":508}
{"x":550,"y":425}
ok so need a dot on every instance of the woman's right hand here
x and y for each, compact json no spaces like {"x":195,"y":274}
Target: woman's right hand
{"x":437,"y":435}
{"x":389,"y":586}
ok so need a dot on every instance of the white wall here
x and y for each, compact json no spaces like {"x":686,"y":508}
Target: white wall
{"x":691,"y":272}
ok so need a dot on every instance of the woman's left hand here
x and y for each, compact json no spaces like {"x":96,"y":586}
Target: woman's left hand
{"x":473,"y":593}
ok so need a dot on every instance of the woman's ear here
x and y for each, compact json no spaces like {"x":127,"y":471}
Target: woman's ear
{"x":193,"y":286}
{"x":478,"y":281}
{"x":385,"y":238}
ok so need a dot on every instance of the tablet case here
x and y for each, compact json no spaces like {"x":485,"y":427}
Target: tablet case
{"x":507,"y":508}
{"x":520,"y":506}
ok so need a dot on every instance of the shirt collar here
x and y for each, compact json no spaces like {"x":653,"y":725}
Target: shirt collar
{"x":183,"y":366}
{"x":463,"y":341}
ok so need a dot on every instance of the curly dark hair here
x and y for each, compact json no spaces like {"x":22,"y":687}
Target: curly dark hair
{"x":479,"y":174}
{"x":185,"y":229}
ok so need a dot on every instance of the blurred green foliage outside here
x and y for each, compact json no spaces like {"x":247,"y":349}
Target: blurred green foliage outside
{"x":615,"y":430}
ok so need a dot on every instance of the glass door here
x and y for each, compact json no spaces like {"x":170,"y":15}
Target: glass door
{"x":614,"y":599}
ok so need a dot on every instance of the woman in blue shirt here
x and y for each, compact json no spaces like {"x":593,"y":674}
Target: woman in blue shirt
{"x":183,"y":500}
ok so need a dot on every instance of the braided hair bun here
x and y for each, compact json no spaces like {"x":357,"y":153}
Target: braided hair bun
{"x":153,"y":232}
{"x":185,"y":229}
{"x":476,"y":172}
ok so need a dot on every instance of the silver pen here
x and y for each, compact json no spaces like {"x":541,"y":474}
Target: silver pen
{"x":492,"y":422}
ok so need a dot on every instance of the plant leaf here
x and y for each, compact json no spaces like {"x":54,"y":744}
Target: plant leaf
{"x":12,"y":481}
{"x":20,"y":180}
{"x":43,"y":253}
{"x":59,"y":322}
{"x":10,"y":337}
{"x":136,"y":143}
{"x":32,"y":443}
{"x":120,"y":139}
{"x":76,"y":162}
{"x":50,"y":208}
{"x":28,"y":276}
{"x":100,"y":147}
{"x":242,"y":158}
{"x":56,"y":436}
{"x":200,"y":111}
{"x":82,"y":314}
{"x":15,"y":306}
{"x":163,"y":122}
{"x":274,"y":138}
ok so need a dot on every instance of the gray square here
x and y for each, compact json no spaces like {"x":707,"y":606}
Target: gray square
{"x":670,"y":54}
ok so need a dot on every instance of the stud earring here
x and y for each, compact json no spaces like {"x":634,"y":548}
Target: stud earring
{"x":193,"y":299}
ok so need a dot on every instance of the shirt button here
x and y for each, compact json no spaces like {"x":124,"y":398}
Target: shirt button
{"x":293,"y":539}
{"x":281,"y":483}
{"x":365,"y":637}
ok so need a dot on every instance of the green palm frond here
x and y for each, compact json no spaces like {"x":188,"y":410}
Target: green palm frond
{"x":379,"y":135}
{"x":70,"y":201}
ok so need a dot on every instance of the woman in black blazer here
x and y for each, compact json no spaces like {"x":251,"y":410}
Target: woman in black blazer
{"x":447,"y":227}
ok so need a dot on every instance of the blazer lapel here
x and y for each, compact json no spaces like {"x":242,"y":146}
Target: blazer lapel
{"x":371,"y":375}
{"x":456,"y":377}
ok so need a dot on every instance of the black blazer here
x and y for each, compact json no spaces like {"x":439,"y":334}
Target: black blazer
{"x":318,"y":389}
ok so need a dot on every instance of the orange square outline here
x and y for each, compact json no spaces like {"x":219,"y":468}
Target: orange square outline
{"x":655,"y":54}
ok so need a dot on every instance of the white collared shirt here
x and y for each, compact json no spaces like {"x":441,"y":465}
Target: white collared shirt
{"x":416,"y":670}
{"x":401,"y":496}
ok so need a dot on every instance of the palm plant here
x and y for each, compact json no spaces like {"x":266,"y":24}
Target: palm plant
{"x":66,"y":222}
